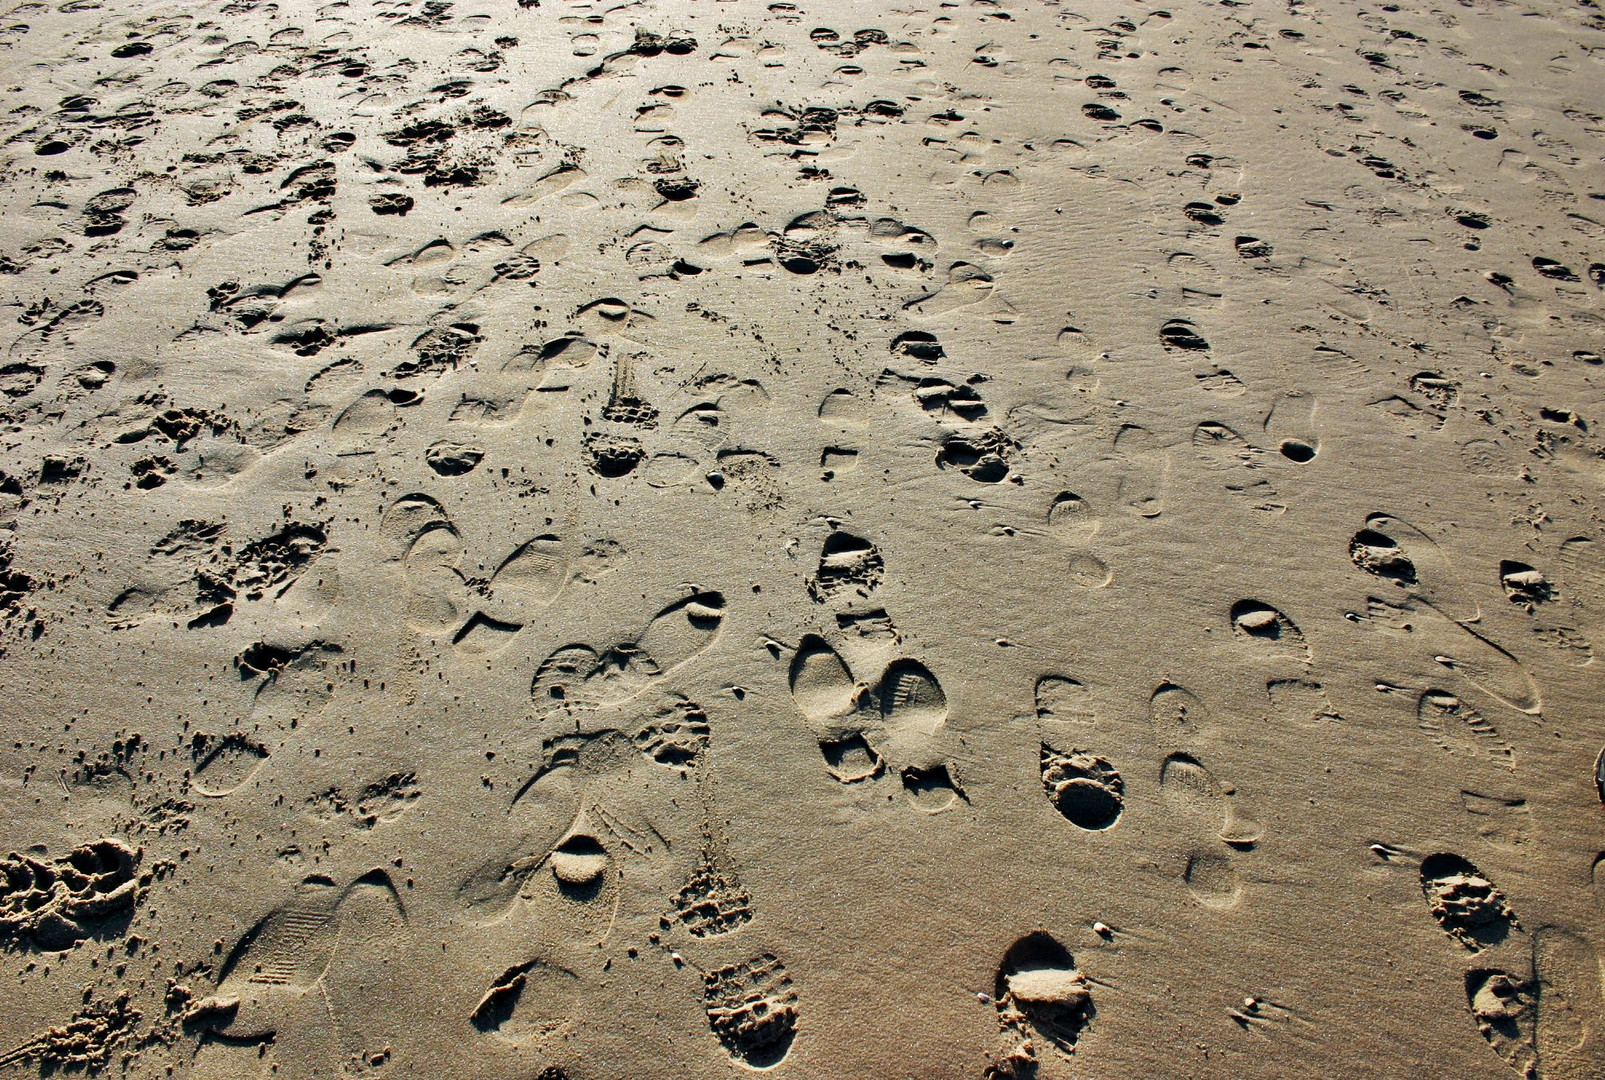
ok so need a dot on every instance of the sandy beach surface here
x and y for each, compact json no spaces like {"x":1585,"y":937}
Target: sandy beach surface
{"x":980,"y":540}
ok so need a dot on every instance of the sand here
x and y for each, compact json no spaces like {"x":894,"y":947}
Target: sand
{"x":977,"y":540}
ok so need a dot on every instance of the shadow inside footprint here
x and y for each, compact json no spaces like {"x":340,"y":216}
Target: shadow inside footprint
{"x":1505,"y":1010}
{"x":932,"y":789}
{"x":1040,"y":993}
{"x":1465,"y":903}
{"x":1085,"y":788}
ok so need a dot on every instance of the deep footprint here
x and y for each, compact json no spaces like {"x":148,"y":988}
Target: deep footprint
{"x":752,"y":1008}
{"x":1465,"y":903}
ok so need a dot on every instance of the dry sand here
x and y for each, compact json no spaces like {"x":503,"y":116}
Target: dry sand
{"x":976,"y":540}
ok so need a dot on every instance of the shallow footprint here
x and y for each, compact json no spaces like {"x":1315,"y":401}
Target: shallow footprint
{"x":1570,"y":1035}
{"x":537,"y":570}
{"x":911,"y":701}
{"x":821,"y":685}
{"x":1177,"y":712}
{"x":1194,"y":793}
{"x":1144,"y":471}
{"x":1460,"y":729}
{"x":1210,"y":879}
{"x":683,"y":630}
{"x":1063,"y":699}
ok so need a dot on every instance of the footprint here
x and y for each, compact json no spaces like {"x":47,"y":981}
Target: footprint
{"x":1084,"y":788}
{"x":1459,"y":649}
{"x":529,"y":1003}
{"x":1177,"y":712}
{"x":1465,"y":903}
{"x":821,"y":685}
{"x":225,"y":763}
{"x":848,"y":565}
{"x":53,"y":905}
{"x":683,"y":630}
{"x":436,"y":592}
{"x":1062,"y":699}
{"x":1292,"y":424}
{"x":1506,"y":820}
{"x":577,"y":676}
{"x":1211,"y":806}
{"x":1144,"y":469}
{"x":1210,"y":879}
{"x":712,"y":902}
{"x":1303,"y":701}
{"x":752,"y":1009}
{"x":1394,"y":550}
{"x":1071,"y":518}
{"x":538,"y":570}
{"x":296,"y":683}
{"x":1042,"y":1000}
{"x":1505,"y":1010}
{"x":1570,"y":1026}
{"x":1223,"y":449}
{"x":1259,"y":622}
{"x":301,"y":972}
{"x":912,"y":703}
{"x":1459,"y":729}
{"x":1524,"y":585}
